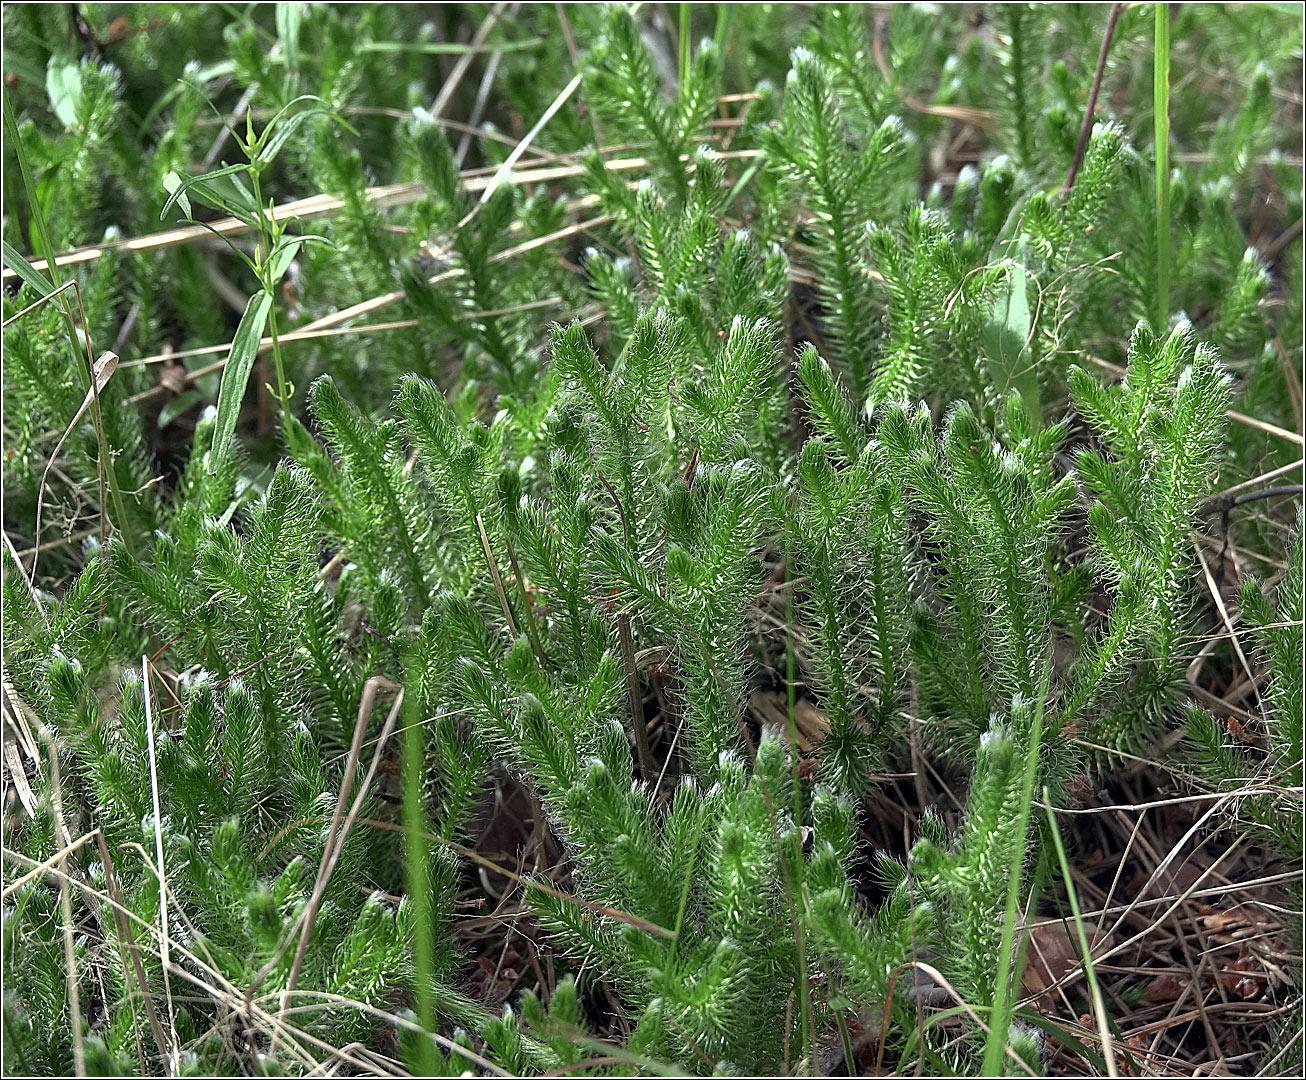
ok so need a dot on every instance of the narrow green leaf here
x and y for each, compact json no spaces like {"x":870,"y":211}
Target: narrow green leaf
{"x":725,"y":14}
{"x":684,"y":43}
{"x":284,"y":124}
{"x":445,"y":48}
{"x":235,"y":376}
{"x":38,"y":217}
{"x":289,"y":17}
{"x":177,"y":406}
{"x":288,"y":247}
{"x":230,"y":192}
{"x":172,"y":185}
{"x":1063,"y":1038}
{"x":1085,"y":949}
{"x":418,"y":851}
{"x":191,"y":83}
{"x":205,"y":191}
{"x":278,"y":136}
{"x":26,"y":270}
{"x":1161,"y":106}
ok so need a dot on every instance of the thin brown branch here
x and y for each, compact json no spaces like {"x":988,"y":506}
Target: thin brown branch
{"x":1091,"y":108}
{"x":635,"y":697}
{"x":335,"y":843}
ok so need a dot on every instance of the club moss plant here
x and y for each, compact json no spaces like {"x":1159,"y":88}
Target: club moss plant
{"x":798,"y":348}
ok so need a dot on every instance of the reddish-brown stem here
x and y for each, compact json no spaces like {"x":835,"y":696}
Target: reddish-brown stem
{"x":1091,"y":107}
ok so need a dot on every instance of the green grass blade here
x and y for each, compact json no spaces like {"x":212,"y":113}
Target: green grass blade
{"x":1161,"y":102}
{"x":38,"y":218}
{"x":1085,"y":951}
{"x":417,"y":852}
{"x":445,"y":48}
{"x":1062,"y":1038}
{"x":108,"y":471}
{"x":683,"y":42}
{"x":25,"y":270}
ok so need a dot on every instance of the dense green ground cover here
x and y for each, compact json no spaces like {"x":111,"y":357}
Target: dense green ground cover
{"x":673,"y":538}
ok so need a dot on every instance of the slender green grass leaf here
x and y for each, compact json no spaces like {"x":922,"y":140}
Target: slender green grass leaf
{"x":1161,"y":105}
{"x":1085,"y":950}
{"x":26,"y":270}
{"x":445,"y":48}
{"x":42,"y":236}
{"x":684,"y":43}
{"x":1063,"y":1038}
{"x":995,"y":1045}
{"x":418,"y":853}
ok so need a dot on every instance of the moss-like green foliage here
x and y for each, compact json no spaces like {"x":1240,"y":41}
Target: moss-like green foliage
{"x":780,"y":356}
